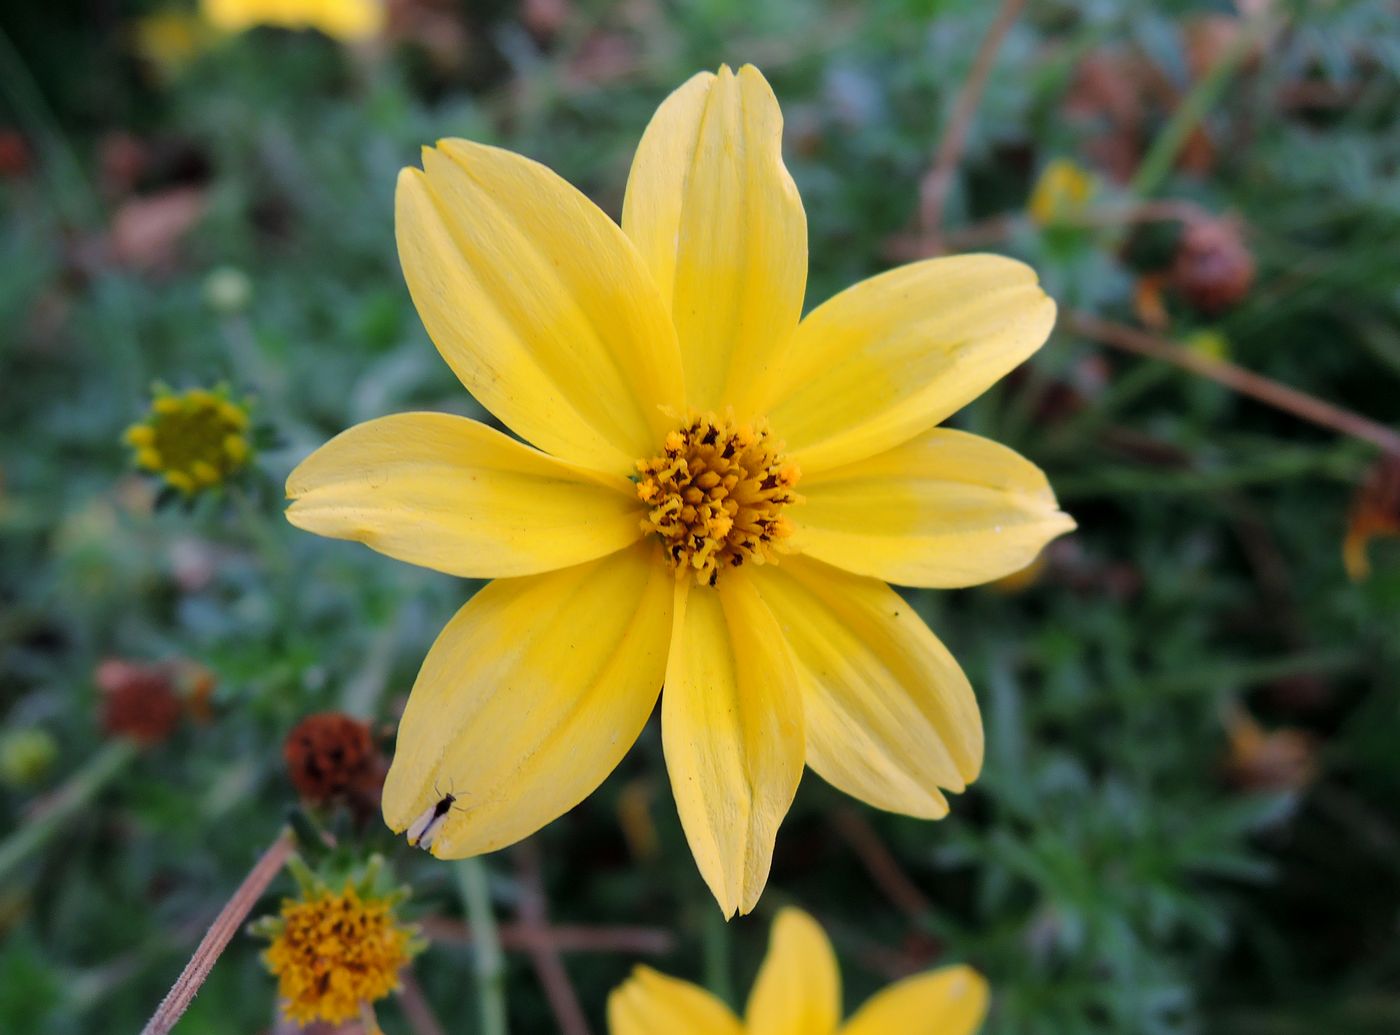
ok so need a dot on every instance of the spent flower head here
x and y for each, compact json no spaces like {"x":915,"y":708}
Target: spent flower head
{"x":194,"y":440}
{"x":715,"y":493}
{"x":798,"y":992}
{"x":140,"y":701}
{"x":339,"y":944}
{"x":332,"y":757}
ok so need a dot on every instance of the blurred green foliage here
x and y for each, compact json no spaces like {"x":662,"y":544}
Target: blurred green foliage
{"x":1104,"y":873}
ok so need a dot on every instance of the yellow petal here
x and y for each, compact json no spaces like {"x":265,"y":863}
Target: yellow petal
{"x":720,"y":225}
{"x":890,"y":715}
{"x":798,"y":991}
{"x":529,"y":698}
{"x":649,"y":1003}
{"x":347,"y":19}
{"x":944,"y":509}
{"x":539,"y":303}
{"x":343,"y":19}
{"x":948,"y":1001}
{"x":731,"y":725}
{"x":897,"y":353}
{"x":451,"y":494}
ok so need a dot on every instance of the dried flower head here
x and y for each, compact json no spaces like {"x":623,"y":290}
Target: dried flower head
{"x":332,"y":756}
{"x":332,"y":951}
{"x":195,"y":439}
{"x":139,"y":701}
{"x":1213,"y":269}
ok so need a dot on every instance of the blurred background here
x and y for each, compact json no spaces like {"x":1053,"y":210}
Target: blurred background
{"x":1187,"y":821}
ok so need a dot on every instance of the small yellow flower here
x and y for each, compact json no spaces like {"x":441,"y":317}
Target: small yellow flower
{"x":333,"y":951}
{"x":720,"y":492}
{"x":798,"y":992}
{"x":1063,"y":191}
{"x":342,"y":19}
{"x":1210,"y":343}
{"x":194,"y":439}
{"x":170,"y":40}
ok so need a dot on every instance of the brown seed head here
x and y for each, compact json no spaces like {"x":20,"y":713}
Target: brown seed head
{"x":138,"y":701}
{"x":1213,"y":269}
{"x":332,"y":757}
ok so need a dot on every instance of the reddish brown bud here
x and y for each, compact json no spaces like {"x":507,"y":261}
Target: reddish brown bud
{"x":1213,"y":269}
{"x":332,"y":757}
{"x":138,"y":701}
{"x":15,"y":157}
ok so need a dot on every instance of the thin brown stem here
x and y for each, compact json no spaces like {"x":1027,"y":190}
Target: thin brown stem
{"x":549,"y":968}
{"x":419,"y":1014}
{"x":880,"y":863}
{"x":933,"y":190}
{"x":220,"y":933}
{"x":1246,"y":382}
{"x":910,"y":246}
{"x":517,"y":937}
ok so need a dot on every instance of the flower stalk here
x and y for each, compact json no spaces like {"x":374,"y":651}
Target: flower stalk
{"x":80,"y":789}
{"x":220,"y":933}
{"x":473,"y":882}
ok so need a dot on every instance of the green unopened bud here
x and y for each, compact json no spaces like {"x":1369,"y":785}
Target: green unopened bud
{"x":228,"y":291}
{"x":26,"y":756}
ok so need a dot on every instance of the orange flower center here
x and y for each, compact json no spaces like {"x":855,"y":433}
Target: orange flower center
{"x":335,"y":952}
{"x":716,"y":496}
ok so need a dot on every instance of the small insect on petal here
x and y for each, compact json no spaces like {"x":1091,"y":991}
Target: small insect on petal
{"x":424,"y":829}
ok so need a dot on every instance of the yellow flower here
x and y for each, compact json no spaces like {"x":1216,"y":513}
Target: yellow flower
{"x":170,"y":40}
{"x":194,"y":439}
{"x":1210,"y":343}
{"x":342,"y":19}
{"x":332,"y":952}
{"x":798,"y":992}
{"x":688,"y":432}
{"x":1063,"y":190}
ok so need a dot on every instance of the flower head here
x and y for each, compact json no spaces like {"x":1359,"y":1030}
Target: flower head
{"x":194,"y":440}
{"x":341,"y":19}
{"x":26,"y":755}
{"x":1213,"y":269}
{"x":333,"y":951}
{"x":139,"y":701}
{"x":715,"y":493}
{"x":798,"y":992}
{"x":1062,"y":191}
{"x":331,"y":756}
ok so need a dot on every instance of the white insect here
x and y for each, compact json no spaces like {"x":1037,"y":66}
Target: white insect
{"x":423,"y":830}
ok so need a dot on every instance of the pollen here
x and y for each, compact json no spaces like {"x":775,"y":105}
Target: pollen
{"x":194,"y":440}
{"x":716,"y":495}
{"x":331,"y":952}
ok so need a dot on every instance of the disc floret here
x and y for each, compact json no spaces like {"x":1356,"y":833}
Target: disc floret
{"x":716,"y":495}
{"x":333,"y":951}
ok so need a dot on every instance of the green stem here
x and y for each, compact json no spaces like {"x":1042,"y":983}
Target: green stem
{"x":1157,"y":163}
{"x":486,"y":944}
{"x":81,"y":788}
{"x":715,"y":949}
